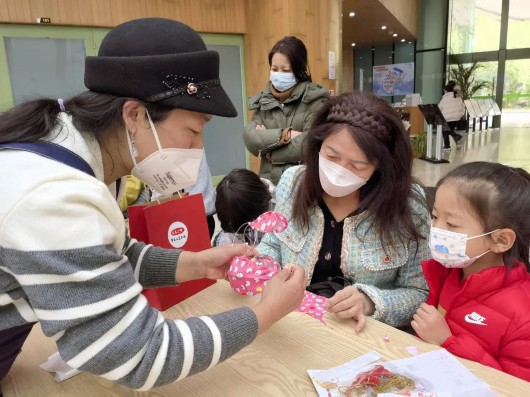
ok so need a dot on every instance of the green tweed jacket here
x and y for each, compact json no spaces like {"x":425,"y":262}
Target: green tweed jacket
{"x":391,"y":276}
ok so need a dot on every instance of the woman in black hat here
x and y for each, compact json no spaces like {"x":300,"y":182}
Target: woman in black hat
{"x":282,"y":112}
{"x":65,"y":260}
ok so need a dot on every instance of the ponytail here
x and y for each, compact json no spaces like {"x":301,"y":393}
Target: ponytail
{"x":29,"y":121}
{"x":90,"y":111}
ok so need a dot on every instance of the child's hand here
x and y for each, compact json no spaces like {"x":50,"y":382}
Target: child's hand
{"x":430,"y":325}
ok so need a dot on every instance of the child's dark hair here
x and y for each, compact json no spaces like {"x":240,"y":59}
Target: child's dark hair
{"x":241,"y":198}
{"x":500,"y":197}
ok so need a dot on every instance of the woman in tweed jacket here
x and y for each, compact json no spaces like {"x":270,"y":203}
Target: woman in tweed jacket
{"x":355,"y":214}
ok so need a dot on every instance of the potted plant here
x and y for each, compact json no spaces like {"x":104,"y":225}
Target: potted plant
{"x":464,"y":77}
{"x":419,"y":145}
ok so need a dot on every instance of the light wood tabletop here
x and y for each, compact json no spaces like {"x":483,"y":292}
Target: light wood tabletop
{"x":274,"y":364}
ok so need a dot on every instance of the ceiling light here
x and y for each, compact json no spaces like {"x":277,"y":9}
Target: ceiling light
{"x":353,"y":44}
{"x":410,"y":42}
{"x":383,"y":27}
{"x":395,"y":35}
{"x":402,"y":40}
{"x":351,"y":14}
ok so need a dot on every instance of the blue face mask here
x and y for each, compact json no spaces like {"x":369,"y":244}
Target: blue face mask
{"x":282,"y":81}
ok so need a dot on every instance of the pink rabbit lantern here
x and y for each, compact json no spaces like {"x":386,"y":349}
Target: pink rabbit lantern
{"x":270,"y":222}
{"x":249,"y":275}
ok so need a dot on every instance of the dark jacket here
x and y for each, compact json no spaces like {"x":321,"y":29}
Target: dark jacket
{"x":295,"y":112}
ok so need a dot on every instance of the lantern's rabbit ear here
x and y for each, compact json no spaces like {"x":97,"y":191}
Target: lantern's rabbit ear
{"x":270,"y":222}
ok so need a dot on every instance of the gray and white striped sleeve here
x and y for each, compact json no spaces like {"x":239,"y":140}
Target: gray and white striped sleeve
{"x":77,"y":283}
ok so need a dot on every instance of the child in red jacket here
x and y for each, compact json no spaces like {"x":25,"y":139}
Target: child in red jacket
{"x":479,"y":301}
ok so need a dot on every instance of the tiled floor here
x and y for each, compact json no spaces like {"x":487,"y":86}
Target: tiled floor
{"x":509,"y":146}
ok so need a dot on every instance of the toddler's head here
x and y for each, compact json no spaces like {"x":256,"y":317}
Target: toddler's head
{"x":241,"y":198}
{"x":487,"y":198}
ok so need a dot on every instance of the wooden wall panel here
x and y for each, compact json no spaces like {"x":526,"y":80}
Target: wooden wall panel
{"x":212,"y":16}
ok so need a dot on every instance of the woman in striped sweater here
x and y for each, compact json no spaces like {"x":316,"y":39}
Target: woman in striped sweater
{"x":65,"y":259}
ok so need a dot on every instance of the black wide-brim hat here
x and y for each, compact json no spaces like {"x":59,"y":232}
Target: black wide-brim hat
{"x":160,"y":61}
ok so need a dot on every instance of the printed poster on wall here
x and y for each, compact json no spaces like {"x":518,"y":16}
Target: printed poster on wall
{"x":396,"y":79}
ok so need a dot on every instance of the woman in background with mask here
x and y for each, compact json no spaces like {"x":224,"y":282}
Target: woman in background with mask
{"x":358,"y":224}
{"x":65,"y":258}
{"x":283,"y":111}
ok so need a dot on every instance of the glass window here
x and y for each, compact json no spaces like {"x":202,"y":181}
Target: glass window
{"x":481,"y":83}
{"x":432,"y":26}
{"x":363,"y":69}
{"x":429,"y":75}
{"x":404,"y":53}
{"x":518,"y":24}
{"x":487,"y":73}
{"x":44,"y":67}
{"x":475,"y":26}
{"x":224,"y":147}
{"x":383,"y":56}
{"x":516,"y":98}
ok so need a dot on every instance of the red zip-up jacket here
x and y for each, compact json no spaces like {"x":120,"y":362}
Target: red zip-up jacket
{"x":489,"y":317}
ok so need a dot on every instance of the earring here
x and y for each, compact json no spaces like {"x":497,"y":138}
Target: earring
{"x":134,"y":151}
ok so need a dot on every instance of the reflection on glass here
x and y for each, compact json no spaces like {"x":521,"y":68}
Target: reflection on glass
{"x":475,"y":26}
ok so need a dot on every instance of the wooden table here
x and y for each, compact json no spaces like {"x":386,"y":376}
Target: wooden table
{"x":274,"y":365}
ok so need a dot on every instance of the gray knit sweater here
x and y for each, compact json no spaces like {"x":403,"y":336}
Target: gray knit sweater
{"x":65,"y":261}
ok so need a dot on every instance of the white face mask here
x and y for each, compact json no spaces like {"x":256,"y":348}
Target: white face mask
{"x":282,"y":81}
{"x":337,"y":181}
{"x":167,"y":170}
{"x":449,"y":248}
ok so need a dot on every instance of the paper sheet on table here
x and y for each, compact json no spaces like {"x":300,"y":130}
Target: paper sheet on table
{"x":328,"y":381}
{"x":440,"y":371}
{"x":62,"y":370}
